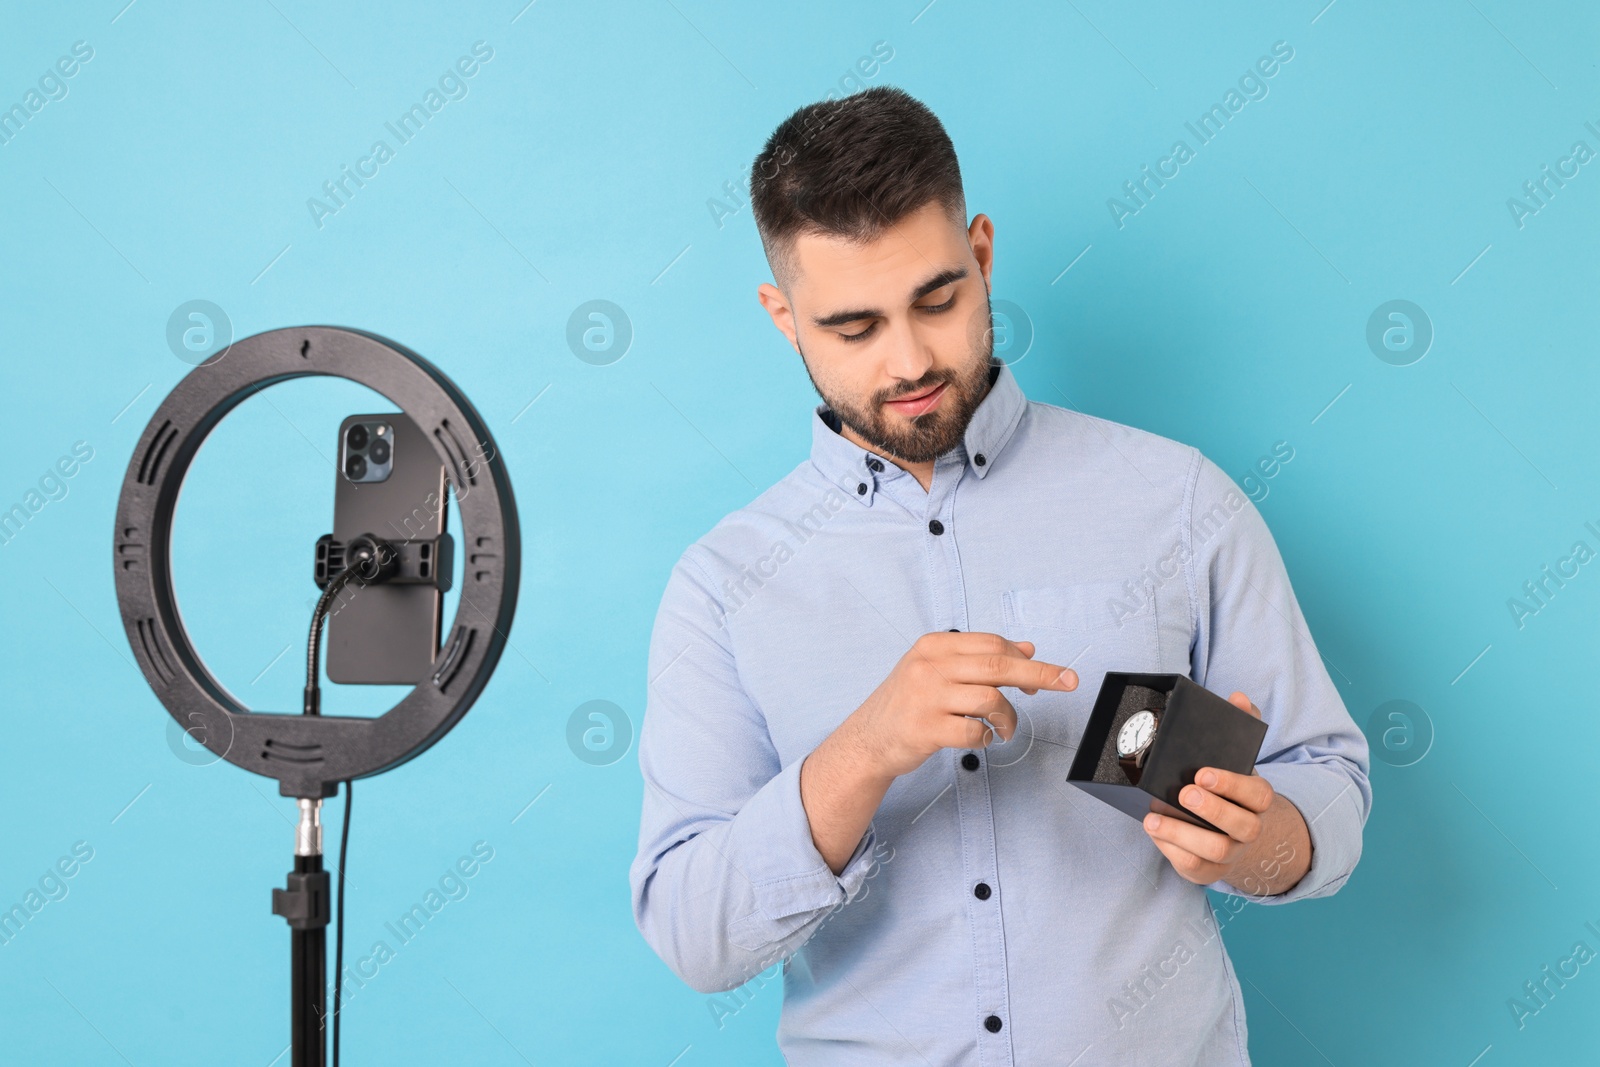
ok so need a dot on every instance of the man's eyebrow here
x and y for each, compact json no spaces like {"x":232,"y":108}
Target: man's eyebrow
{"x":938,"y":281}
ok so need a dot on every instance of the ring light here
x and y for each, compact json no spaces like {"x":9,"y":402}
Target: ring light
{"x":310,"y":754}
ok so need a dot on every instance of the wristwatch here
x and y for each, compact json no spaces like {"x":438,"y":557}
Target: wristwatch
{"x":1138,"y":733}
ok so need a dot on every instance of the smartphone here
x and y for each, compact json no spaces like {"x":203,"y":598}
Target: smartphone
{"x":390,"y":483}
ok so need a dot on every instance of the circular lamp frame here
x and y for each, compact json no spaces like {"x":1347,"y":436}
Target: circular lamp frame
{"x":310,"y":754}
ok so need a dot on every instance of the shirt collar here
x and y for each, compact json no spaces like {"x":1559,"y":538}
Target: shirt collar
{"x":856,"y":470}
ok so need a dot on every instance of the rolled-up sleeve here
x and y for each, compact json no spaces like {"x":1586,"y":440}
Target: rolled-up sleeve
{"x":727,"y":879}
{"x":1250,"y":636}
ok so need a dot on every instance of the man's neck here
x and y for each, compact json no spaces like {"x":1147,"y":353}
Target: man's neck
{"x":922,"y":472}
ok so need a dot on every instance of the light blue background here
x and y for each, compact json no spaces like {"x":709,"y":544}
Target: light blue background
{"x":1229,"y":314}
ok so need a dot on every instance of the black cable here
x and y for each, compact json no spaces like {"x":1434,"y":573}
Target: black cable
{"x":338,"y":949}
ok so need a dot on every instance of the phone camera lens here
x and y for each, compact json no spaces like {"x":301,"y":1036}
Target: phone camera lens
{"x":379,"y":451}
{"x":356,"y":437}
{"x":355,"y":468}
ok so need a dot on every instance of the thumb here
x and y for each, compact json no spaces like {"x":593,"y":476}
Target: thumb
{"x":1242,"y":702}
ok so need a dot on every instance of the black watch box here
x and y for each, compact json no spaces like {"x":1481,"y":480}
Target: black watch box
{"x":1197,"y":728}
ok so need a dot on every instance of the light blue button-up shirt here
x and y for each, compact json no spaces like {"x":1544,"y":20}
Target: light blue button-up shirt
{"x":992,"y":913}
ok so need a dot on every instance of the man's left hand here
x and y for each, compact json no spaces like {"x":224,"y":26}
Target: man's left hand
{"x":1242,"y":806}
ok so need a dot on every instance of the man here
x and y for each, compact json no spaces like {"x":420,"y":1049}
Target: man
{"x":863,"y":686}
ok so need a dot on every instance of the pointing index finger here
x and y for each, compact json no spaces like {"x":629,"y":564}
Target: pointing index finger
{"x":998,"y":661}
{"x":1030,"y":675}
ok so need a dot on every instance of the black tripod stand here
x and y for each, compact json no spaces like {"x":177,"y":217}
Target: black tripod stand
{"x":305,"y":904}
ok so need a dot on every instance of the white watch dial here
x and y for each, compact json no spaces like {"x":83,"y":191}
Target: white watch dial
{"x":1136,"y":732}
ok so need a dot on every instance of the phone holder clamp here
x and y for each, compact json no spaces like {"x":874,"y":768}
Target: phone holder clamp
{"x":429,"y":561}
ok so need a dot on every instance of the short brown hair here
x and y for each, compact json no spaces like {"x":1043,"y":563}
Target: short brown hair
{"x":851,"y":168}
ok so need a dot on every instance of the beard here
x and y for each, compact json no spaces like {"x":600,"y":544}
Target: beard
{"x":924,"y":437}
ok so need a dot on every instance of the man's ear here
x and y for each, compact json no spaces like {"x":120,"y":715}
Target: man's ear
{"x":980,"y":238}
{"x":777,"y":306}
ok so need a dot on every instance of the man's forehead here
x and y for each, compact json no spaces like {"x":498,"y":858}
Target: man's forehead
{"x":925,"y":236}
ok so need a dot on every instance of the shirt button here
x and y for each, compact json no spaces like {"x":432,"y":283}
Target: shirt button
{"x":861,"y":488}
{"x":875,"y":464}
{"x":992,"y":1024}
{"x":979,"y":460}
{"x":970,"y":761}
{"x":981,"y":890}
{"x":935,"y":526}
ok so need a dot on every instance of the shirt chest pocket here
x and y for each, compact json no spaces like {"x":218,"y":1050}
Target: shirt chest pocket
{"x":1092,"y":627}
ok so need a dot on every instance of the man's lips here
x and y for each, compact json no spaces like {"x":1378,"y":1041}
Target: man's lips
{"x":916,"y":405}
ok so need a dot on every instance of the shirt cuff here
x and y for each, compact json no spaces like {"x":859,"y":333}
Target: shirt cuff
{"x":1330,"y":803}
{"x":789,"y":879}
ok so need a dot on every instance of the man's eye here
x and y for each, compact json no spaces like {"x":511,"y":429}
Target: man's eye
{"x":854,"y":338}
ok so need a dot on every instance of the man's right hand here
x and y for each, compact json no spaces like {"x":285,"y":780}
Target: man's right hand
{"x":944,"y":693}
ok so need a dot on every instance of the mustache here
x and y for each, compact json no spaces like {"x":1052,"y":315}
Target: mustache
{"x":914,"y":390}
